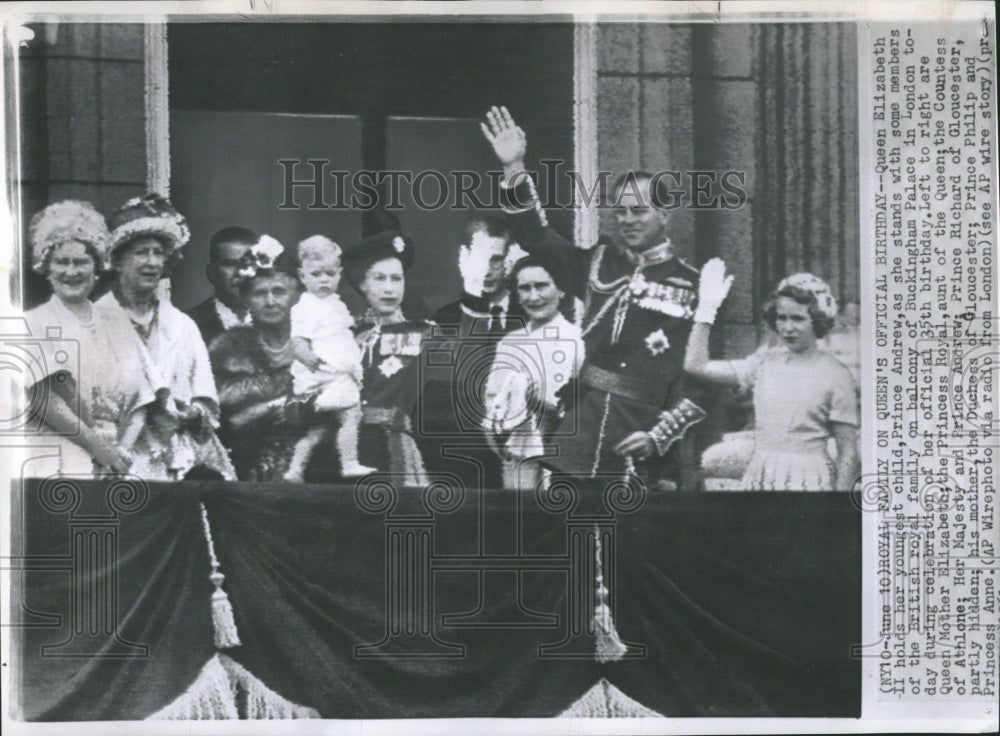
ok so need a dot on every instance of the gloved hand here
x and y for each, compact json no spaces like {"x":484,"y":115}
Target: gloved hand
{"x":713,"y":286}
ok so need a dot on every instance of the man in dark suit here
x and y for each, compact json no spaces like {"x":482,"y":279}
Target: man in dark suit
{"x":224,"y":309}
{"x":468,"y":331}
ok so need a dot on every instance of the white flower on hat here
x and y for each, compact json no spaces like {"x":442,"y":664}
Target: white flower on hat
{"x":267,"y":249}
{"x":399,"y":244}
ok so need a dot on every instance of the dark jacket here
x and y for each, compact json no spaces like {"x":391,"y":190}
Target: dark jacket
{"x":207,"y":320}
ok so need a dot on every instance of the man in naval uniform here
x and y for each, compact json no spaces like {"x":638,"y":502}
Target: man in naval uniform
{"x":632,"y":400}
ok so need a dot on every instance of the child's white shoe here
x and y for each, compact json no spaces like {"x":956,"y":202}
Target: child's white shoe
{"x":294,"y":475}
{"x":356,"y":470}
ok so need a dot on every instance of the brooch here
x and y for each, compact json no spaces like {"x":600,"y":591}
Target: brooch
{"x":657,"y":342}
{"x":390,"y":366}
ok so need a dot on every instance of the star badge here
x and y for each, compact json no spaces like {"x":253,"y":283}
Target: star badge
{"x":390,"y":366}
{"x":657,"y":342}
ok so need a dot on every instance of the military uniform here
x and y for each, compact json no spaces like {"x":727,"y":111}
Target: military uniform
{"x":390,"y":389}
{"x":638,"y":310}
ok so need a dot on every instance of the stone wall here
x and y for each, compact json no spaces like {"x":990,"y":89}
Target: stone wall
{"x":703,"y":97}
{"x":669,"y":97}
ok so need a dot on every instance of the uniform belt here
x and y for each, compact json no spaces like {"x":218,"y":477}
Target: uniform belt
{"x":630,"y":387}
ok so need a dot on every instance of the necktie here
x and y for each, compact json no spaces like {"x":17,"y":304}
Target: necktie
{"x":496,"y":326}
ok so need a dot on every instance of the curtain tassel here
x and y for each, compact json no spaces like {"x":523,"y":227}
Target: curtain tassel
{"x":608,"y":646}
{"x":223,"y":622}
{"x":222,"y":615}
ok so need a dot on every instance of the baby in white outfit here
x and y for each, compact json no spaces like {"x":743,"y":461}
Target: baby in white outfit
{"x":327,"y":358}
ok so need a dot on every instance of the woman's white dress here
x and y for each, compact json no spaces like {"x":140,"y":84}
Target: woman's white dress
{"x":99,"y":367}
{"x":529,"y":368}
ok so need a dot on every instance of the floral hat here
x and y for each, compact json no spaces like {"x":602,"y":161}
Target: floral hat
{"x":151,"y":214}
{"x":267,"y":254}
{"x":62,"y":222}
{"x":817,"y":286}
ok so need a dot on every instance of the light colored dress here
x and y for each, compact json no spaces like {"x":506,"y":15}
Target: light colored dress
{"x":327,"y":323}
{"x":796,"y":401}
{"x":179,"y":354}
{"x":107,"y":376}
{"x":529,"y":368}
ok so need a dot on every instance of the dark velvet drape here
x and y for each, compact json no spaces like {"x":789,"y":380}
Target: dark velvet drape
{"x":742,"y":604}
{"x":806,"y":199}
{"x":101,"y":640}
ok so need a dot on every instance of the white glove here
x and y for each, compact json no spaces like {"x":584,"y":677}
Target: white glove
{"x":473,"y":264}
{"x":508,"y":408}
{"x":713,"y":286}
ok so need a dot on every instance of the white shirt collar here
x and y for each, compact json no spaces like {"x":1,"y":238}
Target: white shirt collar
{"x":228,"y":317}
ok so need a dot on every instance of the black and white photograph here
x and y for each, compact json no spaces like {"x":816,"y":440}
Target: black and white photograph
{"x":485,"y":365}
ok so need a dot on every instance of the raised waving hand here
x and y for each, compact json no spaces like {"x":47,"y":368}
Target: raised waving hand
{"x":508,"y":140}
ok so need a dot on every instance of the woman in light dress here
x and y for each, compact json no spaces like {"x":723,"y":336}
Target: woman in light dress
{"x":532,"y":364}
{"x":803,"y":397}
{"x":146,"y":239}
{"x":92,"y":380}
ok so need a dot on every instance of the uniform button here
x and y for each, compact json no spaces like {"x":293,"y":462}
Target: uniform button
{"x":622,"y":365}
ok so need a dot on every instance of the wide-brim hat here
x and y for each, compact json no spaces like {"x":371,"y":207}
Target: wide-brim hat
{"x":65,"y":221}
{"x":149,"y":215}
{"x":358,"y":258}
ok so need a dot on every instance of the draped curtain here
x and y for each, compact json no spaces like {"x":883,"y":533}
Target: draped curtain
{"x":731,"y":605}
{"x":806,"y":199}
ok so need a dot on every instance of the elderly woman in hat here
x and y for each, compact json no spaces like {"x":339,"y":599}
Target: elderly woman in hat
{"x":532,"y":364}
{"x":390,"y":348}
{"x":94,"y":379}
{"x":253,"y":367}
{"x":803,"y":397}
{"x":146,"y":239}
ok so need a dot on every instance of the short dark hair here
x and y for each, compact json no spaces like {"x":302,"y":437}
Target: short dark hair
{"x":231,"y":234}
{"x":492,"y":226}
{"x":821,"y":322}
{"x":566,"y":305}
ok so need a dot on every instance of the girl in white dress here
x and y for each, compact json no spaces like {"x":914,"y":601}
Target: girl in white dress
{"x":803,"y":396}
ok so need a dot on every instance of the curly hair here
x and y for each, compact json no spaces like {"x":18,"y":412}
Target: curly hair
{"x":821,"y":321}
{"x":65,"y":221}
{"x":315,"y":247}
